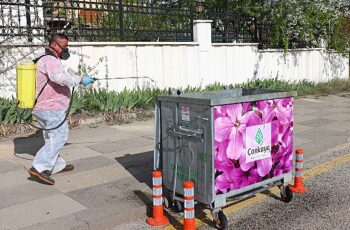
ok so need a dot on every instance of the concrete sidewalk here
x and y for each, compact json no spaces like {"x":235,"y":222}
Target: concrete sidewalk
{"x":110,"y":187}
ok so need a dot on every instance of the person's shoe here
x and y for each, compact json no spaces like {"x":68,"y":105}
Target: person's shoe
{"x":42,"y":177}
{"x":68,"y":168}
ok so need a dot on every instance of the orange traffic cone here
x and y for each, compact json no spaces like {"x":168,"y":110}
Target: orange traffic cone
{"x":190,"y":220}
{"x":298,"y":179}
{"x":158,"y":218}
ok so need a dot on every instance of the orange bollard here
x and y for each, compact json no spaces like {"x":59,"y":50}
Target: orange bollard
{"x":158,"y":218}
{"x":190,"y":220}
{"x":298,"y":179}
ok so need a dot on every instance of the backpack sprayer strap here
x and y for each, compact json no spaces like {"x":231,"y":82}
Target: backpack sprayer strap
{"x":47,"y":53}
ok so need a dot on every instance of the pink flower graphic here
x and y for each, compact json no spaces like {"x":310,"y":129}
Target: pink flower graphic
{"x":232,"y":171}
{"x":221,"y":159}
{"x":279,"y":108}
{"x":220,"y":111}
{"x":243,"y":178}
{"x":243,"y":164}
{"x":232,"y":128}
{"x":283,"y":159}
{"x":226,"y":180}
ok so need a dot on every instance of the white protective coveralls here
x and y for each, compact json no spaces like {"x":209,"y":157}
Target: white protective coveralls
{"x":50,"y":110}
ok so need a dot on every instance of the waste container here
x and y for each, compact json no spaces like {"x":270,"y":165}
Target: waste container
{"x":230,"y":143}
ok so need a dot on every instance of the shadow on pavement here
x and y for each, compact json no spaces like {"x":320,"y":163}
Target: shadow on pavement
{"x":139,"y":165}
{"x":146,"y":200}
{"x":28,"y":145}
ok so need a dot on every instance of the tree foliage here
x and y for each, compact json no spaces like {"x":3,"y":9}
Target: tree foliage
{"x":315,"y":22}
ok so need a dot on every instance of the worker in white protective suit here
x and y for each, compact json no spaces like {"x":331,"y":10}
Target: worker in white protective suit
{"x":53,"y":96}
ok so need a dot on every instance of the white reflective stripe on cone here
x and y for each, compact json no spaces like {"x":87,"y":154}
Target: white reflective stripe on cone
{"x":299,"y":157}
{"x":298,"y":174}
{"x":157,"y":180}
{"x":189,"y":203}
{"x":299,"y":165}
{"x":189,"y":214}
{"x":157,"y":201}
{"x":157,"y":191}
{"x":188,"y":192}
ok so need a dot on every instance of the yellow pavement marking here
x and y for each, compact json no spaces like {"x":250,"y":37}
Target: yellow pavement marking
{"x":205,"y":215}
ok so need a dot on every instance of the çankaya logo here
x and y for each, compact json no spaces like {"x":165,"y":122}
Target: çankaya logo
{"x":259,"y":137}
{"x":258,"y":144}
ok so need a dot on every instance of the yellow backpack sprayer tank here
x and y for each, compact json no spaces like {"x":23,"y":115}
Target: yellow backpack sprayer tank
{"x":26,"y":87}
{"x":26,"y":76}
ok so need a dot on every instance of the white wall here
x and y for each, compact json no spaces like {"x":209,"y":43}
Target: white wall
{"x":315,"y":65}
{"x":182,"y":64}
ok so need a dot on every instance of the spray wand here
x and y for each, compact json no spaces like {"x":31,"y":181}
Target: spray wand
{"x":121,"y":78}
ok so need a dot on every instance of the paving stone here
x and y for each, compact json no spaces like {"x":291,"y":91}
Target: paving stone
{"x":318,"y":122}
{"x":24,"y":193}
{"x":13,"y":179}
{"x":25,"y":160}
{"x":311,"y":100}
{"x":302,"y":117}
{"x":73,"y":181}
{"x":321,"y":145}
{"x":117,"y":193}
{"x":70,"y":221}
{"x":119,"y":145}
{"x":299,"y":142}
{"x":339,"y":126}
{"x":89,"y":136}
{"x":130,"y":151}
{"x":304,"y":110}
{"x":110,"y":199}
{"x":9,"y":165}
{"x":338,"y":116}
{"x":319,"y":113}
{"x":98,"y":218}
{"x":298,"y":128}
{"x":40,"y":210}
{"x":6,"y":150}
{"x":76,"y":152}
{"x":316,"y":134}
{"x":82,"y":165}
{"x":142,"y":129}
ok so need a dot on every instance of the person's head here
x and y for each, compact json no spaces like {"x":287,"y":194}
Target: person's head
{"x":59,"y":44}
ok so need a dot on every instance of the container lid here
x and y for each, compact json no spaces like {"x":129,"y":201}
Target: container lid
{"x":230,"y":96}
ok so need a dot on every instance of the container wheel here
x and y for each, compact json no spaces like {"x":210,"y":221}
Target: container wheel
{"x":178,"y":206}
{"x":221,"y":222}
{"x":286,"y":194}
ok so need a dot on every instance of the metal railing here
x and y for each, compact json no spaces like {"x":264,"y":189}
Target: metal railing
{"x":129,"y":20}
{"x":231,"y":27}
{"x":96,"y":20}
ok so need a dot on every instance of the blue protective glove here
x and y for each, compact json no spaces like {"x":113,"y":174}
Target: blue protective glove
{"x":87,"y":80}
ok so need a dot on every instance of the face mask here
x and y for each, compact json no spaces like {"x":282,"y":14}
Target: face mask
{"x":65,"y":54}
